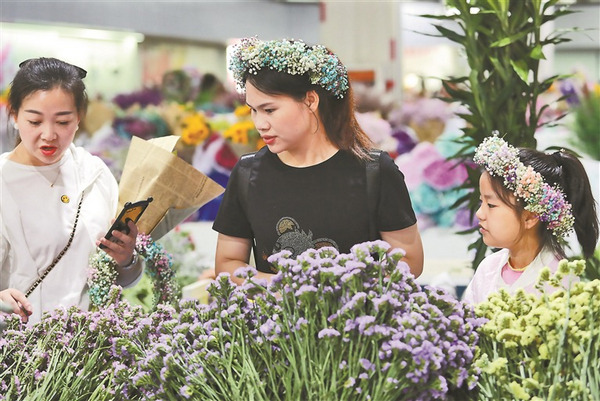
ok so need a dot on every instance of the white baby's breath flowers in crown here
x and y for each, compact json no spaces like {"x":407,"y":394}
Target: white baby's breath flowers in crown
{"x":293,"y":57}
{"x":547,"y":202}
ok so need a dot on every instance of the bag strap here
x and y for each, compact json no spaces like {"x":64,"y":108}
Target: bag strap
{"x":245,"y":171}
{"x":60,"y":255}
{"x":372,"y":167}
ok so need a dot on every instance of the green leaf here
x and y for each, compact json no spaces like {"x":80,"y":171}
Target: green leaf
{"x":521,"y":68}
{"x":509,"y":40}
{"x":537,"y":53}
{"x":450,"y":34}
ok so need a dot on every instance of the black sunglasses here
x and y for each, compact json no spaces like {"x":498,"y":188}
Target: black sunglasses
{"x":81,"y":71}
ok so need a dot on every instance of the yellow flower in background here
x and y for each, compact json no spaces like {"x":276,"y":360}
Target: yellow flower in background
{"x":194,"y":129}
{"x":240,"y":132}
{"x":242,"y":111}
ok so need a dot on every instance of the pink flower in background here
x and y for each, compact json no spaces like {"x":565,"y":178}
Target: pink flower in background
{"x":378,"y":129}
{"x":414,"y":163}
{"x":444,"y":174}
{"x":420,"y":110}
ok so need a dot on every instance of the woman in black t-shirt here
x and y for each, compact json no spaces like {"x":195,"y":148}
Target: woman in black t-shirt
{"x":308,"y":187}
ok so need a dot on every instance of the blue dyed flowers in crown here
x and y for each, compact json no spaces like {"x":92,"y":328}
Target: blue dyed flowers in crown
{"x":293,"y":57}
{"x":547,"y":202}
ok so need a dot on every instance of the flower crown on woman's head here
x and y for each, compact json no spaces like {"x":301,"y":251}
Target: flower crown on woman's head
{"x":293,"y":57}
{"x":547,"y":202}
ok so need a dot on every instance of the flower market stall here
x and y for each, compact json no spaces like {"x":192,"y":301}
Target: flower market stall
{"x":330,"y":326}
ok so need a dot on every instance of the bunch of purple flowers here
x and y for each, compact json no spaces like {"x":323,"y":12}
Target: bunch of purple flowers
{"x":357,"y":326}
{"x":67,"y":355}
{"x":328,"y":326}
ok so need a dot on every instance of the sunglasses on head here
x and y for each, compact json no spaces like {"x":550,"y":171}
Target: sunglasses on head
{"x":81,"y":71}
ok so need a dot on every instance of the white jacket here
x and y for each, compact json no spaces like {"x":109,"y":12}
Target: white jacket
{"x":66,"y":284}
{"x":488,"y":276}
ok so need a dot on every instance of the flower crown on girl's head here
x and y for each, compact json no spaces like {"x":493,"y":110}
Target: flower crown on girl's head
{"x":293,"y":57}
{"x":547,"y":202}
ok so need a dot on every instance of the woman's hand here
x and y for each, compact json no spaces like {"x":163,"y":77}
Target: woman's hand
{"x":18,"y":302}
{"x":122,"y":245}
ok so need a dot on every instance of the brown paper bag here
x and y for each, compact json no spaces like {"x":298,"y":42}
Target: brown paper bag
{"x":178,"y":189}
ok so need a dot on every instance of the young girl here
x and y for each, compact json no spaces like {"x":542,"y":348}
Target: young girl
{"x":57,"y":200}
{"x":529,"y":202}
{"x":308,"y":186}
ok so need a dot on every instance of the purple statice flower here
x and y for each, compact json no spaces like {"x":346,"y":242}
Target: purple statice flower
{"x":305,"y":290}
{"x":355,"y":304}
{"x":328,"y":332}
{"x":245,"y":272}
{"x":301,"y":323}
{"x":270,"y":329}
{"x":185,"y":391}
{"x":366,"y":364}
{"x":363,"y":322}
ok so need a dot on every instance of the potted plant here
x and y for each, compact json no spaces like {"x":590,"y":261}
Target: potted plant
{"x":504,"y":44}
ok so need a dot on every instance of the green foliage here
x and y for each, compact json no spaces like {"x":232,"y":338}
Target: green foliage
{"x":586,"y":125}
{"x":503,"y":43}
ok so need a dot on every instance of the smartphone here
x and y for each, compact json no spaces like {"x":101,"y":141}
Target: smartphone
{"x":130,"y":212}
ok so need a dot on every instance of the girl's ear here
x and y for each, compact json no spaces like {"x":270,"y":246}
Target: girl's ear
{"x":530,"y":220}
{"x":311,"y":100}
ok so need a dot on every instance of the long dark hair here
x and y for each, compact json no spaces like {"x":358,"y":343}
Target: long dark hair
{"x":336,"y":114}
{"x":566,"y":171}
{"x":44,"y":74}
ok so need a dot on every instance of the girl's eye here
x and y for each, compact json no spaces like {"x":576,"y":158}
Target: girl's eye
{"x":491,"y":206}
{"x":63,"y":122}
{"x":269,"y":111}
{"x":34,"y":123}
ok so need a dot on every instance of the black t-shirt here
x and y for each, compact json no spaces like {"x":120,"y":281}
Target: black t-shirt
{"x":311,"y":207}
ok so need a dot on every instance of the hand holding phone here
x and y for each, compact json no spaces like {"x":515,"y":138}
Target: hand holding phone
{"x":130,"y":212}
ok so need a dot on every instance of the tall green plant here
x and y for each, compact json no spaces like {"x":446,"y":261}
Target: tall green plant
{"x":503,"y":43}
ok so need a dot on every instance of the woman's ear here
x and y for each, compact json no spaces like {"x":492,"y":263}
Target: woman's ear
{"x":530,"y":220}
{"x":11,"y":115}
{"x":311,"y":100}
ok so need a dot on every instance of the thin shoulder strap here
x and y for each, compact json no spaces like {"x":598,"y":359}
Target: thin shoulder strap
{"x":245,"y":171}
{"x":372,"y":167}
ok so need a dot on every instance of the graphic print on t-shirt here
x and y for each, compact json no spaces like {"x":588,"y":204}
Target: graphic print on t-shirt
{"x":295,"y":240}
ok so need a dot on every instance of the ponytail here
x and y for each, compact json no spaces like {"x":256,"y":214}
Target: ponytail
{"x":566,"y":171}
{"x":579,"y":193}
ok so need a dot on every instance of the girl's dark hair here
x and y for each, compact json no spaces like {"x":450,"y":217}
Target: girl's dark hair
{"x":336,"y":114}
{"x":44,"y":74}
{"x":565,"y":170}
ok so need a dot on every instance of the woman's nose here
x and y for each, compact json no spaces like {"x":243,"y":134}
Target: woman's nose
{"x":48,"y":132}
{"x":260,"y":123}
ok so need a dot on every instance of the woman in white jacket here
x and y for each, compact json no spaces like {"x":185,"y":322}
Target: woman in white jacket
{"x":57,"y":200}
